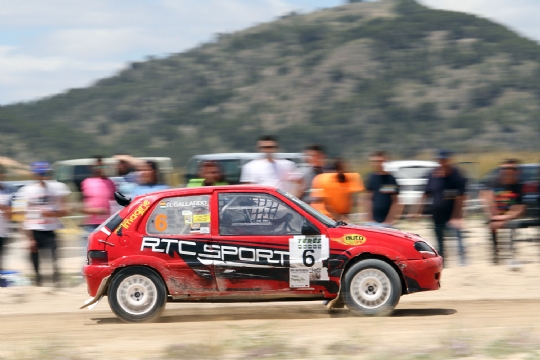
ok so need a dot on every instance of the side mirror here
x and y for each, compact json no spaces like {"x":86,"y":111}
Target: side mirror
{"x":309,"y":229}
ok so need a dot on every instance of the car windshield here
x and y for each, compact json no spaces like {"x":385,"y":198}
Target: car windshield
{"x":413,"y":172}
{"x":316,"y":214}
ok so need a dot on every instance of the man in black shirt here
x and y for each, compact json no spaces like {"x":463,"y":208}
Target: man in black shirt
{"x":316,"y":158}
{"x":505,"y":202}
{"x":446,"y":187}
{"x":382,"y":193}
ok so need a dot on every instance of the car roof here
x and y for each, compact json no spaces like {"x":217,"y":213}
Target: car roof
{"x":409,"y":163}
{"x":210,"y":189}
{"x":244,"y":156}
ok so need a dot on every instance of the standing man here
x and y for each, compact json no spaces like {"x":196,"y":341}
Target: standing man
{"x":446,"y":187}
{"x":315,"y":157}
{"x":210,"y":174}
{"x":279,"y":173}
{"x":6,"y":197}
{"x":382,"y":204}
{"x":46,"y":201}
{"x":505,"y":202}
{"x":98,"y":194}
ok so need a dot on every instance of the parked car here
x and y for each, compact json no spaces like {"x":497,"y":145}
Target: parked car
{"x":232,"y":163}
{"x":74,"y":172}
{"x":529,"y":177}
{"x":411,"y":176}
{"x":248,"y":243}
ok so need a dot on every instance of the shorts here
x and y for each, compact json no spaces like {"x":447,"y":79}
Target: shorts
{"x":45,"y":239}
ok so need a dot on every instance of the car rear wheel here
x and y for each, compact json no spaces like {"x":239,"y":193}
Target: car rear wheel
{"x":371,"y":287}
{"x":137,"y":294}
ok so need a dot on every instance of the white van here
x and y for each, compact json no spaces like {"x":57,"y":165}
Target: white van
{"x":73,"y":172}
{"x":411,"y":176}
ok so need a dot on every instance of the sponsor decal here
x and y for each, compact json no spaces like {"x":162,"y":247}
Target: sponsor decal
{"x":308,"y":253}
{"x":201,"y":218}
{"x":205,"y":230}
{"x":195,"y":226}
{"x":177,"y":204}
{"x":299,"y":277}
{"x":188,"y":219}
{"x":213,"y":254}
{"x":351,"y":239}
{"x":141,"y":210}
{"x":186,"y":212}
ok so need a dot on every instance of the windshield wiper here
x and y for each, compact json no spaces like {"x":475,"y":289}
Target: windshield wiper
{"x":340,"y":223}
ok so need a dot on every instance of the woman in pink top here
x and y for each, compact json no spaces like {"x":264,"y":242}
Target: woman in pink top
{"x":98,"y":192}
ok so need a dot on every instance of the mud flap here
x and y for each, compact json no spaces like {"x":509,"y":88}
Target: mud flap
{"x":337,"y":302}
{"x":91,"y":303}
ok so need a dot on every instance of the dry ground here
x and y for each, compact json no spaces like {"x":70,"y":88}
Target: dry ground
{"x":481,"y":312}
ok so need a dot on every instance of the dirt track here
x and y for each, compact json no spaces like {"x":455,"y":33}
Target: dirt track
{"x":306,"y":327}
{"x":481,"y":312}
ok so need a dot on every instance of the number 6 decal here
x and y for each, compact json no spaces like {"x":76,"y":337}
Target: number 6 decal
{"x":307,"y":255}
{"x":161,"y":222}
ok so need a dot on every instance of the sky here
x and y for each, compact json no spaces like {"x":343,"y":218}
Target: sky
{"x":47,"y":47}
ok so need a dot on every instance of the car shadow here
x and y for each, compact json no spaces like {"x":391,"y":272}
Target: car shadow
{"x":235,"y":313}
{"x":422,"y":312}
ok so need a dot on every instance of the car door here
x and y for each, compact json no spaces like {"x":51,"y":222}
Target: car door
{"x":262,"y":248}
{"x":179,"y":228}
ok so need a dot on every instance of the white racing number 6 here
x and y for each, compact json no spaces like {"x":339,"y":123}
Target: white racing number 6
{"x":307,"y":258}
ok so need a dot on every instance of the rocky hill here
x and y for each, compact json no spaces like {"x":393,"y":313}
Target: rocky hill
{"x":391,"y":74}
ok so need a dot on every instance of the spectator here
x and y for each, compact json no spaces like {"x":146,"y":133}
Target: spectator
{"x":505,"y":203}
{"x":315,"y":157}
{"x":98,"y":193}
{"x":382,"y":204}
{"x":333,"y":193}
{"x":446,"y":186}
{"x":268,"y":170}
{"x":148,"y":179}
{"x":6,"y":197}
{"x":210,"y":175}
{"x":45,"y":203}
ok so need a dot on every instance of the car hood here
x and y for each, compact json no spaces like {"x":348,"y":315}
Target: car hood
{"x":376,"y":230}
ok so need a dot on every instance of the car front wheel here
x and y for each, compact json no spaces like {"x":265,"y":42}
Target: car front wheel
{"x":137,"y":294}
{"x":371,"y":287}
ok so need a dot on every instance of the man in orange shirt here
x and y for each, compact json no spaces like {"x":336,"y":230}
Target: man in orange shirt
{"x":333,"y":193}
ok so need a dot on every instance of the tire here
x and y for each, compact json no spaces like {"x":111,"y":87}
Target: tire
{"x":371,"y":288}
{"x":137,"y":294}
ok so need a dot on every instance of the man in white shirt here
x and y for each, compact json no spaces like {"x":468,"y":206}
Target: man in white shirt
{"x":279,"y":173}
{"x":45,"y":203}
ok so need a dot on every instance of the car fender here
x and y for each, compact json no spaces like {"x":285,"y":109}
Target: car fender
{"x":157,"y":264}
{"x":357,"y":251}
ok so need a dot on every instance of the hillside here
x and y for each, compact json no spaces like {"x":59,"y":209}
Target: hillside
{"x":391,"y":74}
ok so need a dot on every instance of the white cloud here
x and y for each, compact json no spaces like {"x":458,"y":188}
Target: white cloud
{"x":72,"y":43}
{"x":49,"y":46}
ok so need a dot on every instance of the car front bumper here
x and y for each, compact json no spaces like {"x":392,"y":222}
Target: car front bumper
{"x":422,"y":275}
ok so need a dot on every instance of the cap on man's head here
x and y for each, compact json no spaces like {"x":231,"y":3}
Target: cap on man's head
{"x":443,"y":154}
{"x":41,"y":168}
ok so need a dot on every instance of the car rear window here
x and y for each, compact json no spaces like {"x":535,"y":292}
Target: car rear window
{"x":181,"y":215}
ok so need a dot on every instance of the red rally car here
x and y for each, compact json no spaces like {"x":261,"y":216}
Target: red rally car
{"x":248,"y":243}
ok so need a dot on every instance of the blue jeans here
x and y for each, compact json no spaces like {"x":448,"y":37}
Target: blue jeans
{"x":439,"y":233}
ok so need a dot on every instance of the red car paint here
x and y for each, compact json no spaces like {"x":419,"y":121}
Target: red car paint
{"x":207,"y":265}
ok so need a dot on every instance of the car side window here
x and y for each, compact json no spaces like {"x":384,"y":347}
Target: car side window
{"x":257,"y":214}
{"x":181,"y":215}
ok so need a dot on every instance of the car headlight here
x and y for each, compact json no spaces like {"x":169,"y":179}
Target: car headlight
{"x":425,"y":249}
